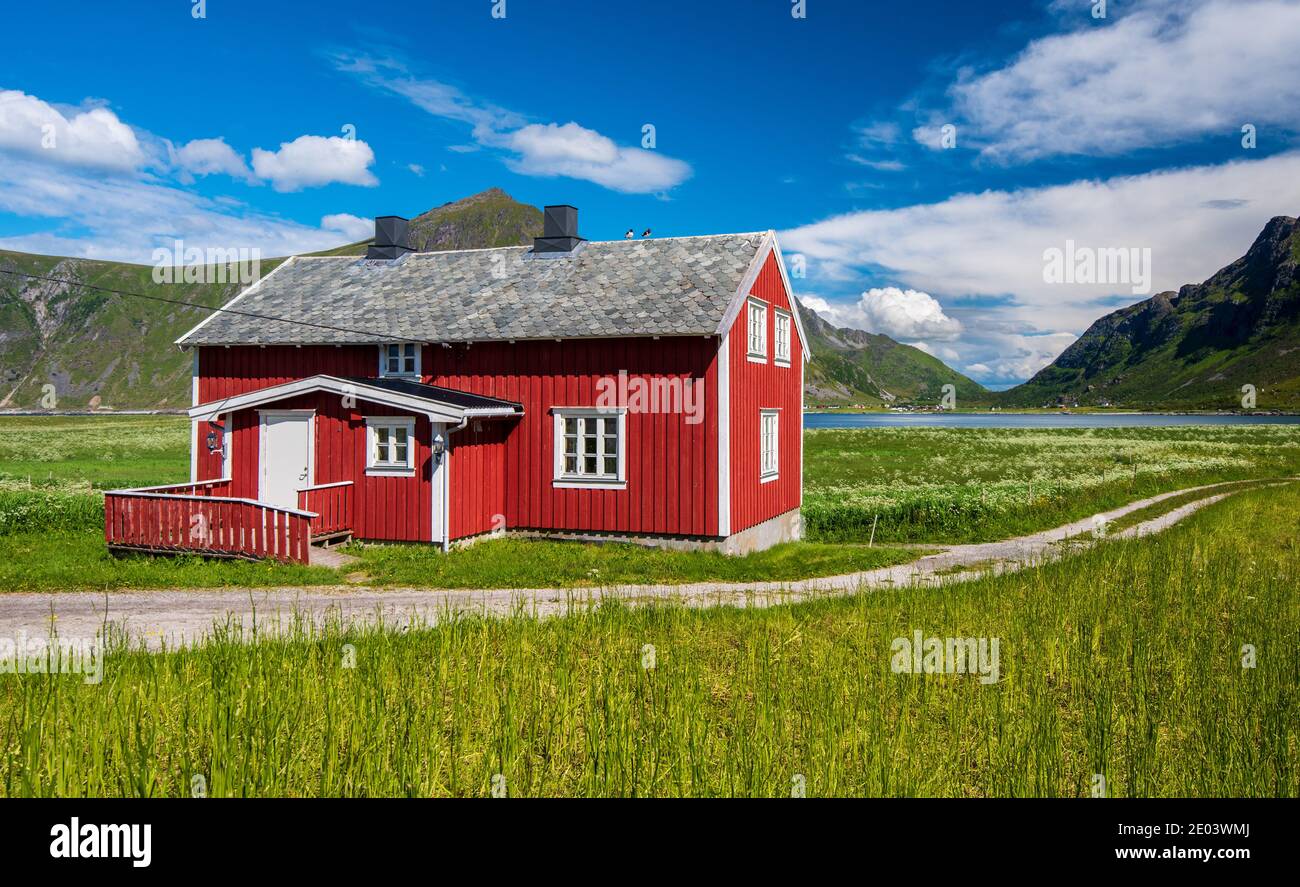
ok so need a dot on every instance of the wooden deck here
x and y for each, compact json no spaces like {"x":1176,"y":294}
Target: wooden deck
{"x":202,"y":518}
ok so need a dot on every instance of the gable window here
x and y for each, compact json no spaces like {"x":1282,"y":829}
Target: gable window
{"x":390,"y":445}
{"x":401,"y":360}
{"x":590,"y":447}
{"x":769,"y":443}
{"x":757,"y":312}
{"x":781,"y":347}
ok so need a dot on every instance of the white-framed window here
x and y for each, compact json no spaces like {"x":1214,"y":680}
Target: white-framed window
{"x":399,"y":359}
{"x":757,"y":313}
{"x":781,"y":347}
{"x":590,"y":447}
{"x":390,"y":445}
{"x":769,"y":428}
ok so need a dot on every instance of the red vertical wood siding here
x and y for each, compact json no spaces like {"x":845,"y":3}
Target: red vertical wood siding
{"x":544,"y":375}
{"x":384,"y":507}
{"x":478,"y":478}
{"x":756,"y":387}
{"x":672,"y":466}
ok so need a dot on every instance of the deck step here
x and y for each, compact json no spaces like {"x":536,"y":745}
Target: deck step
{"x":320,"y":556}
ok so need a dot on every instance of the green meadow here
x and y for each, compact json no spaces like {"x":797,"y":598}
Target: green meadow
{"x":1162,"y":666}
{"x":914,"y":486}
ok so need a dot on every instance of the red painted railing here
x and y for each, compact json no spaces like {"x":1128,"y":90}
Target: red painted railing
{"x":203,"y":521}
{"x":332,"y":504}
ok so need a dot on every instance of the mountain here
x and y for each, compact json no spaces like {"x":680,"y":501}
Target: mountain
{"x":850,"y":367}
{"x":488,"y":219}
{"x":116,"y":352}
{"x":1195,"y":348}
{"x":95,"y":347}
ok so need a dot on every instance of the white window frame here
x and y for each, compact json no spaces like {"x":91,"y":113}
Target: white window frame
{"x":395,"y":469}
{"x":769,"y":471}
{"x":756,"y":344}
{"x":783,"y":322}
{"x":579,"y":480}
{"x":403,"y":357}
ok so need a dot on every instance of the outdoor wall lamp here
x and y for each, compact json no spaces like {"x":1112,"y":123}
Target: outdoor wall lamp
{"x":213,"y":438}
{"x":439,"y":447}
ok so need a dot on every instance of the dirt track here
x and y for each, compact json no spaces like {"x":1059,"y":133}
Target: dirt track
{"x":177,"y":616}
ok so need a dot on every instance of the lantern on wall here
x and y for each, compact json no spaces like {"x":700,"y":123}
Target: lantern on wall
{"x":214,"y":438}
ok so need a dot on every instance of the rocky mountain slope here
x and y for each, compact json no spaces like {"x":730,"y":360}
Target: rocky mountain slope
{"x":1195,"y":348}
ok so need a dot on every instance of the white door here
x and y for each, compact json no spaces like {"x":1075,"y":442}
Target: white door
{"x":439,"y":476}
{"x":286,"y":457}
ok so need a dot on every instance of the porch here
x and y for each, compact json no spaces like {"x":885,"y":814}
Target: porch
{"x":203,"y":518}
{"x":380,"y":445}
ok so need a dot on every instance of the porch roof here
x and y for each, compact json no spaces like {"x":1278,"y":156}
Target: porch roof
{"x":439,"y":404}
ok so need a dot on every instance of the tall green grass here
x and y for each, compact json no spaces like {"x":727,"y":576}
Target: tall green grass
{"x":1125,"y":660}
{"x":976,"y":485}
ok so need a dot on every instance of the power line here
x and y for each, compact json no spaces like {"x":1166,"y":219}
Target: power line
{"x":381,"y":337}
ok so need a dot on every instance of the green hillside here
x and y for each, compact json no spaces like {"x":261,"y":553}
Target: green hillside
{"x":490,"y":218}
{"x":116,"y":352}
{"x":851,"y":367}
{"x":1193,"y":349}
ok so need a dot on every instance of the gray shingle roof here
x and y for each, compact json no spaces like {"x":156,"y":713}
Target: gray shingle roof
{"x":670,"y":286}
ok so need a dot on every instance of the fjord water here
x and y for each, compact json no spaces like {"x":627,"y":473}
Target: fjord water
{"x":1031,"y":420}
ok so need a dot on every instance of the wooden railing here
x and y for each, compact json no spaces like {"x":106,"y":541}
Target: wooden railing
{"x":203,"y":521}
{"x":332,"y":504}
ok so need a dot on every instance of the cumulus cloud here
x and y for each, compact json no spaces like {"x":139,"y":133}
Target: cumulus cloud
{"x":1106,"y":88}
{"x":352,"y":227}
{"x":992,"y":244}
{"x":80,"y":213}
{"x":580,"y":153}
{"x":310,"y":161}
{"x":532,"y":149}
{"x":900,"y":314}
{"x":94,"y":137}
{"x":206,"y":157}
{"x":983,"y":254}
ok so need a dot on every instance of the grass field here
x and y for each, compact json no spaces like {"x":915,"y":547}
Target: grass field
{"x":917,"y":485}
{"x":978,"y":485}
{"x":1124,"y":661}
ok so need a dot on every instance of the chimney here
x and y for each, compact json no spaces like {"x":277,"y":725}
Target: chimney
{"x":559,"y":231}
{"x":390,"y":239}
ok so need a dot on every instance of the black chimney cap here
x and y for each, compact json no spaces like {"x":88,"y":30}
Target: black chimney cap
{"x":559,"y":230}
{"x":391,"y":238}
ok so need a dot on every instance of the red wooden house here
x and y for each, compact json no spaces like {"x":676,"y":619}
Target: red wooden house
{"x":648,"y":390}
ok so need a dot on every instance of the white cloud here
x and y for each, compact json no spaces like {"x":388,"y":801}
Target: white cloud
{"x":310,"y":161}
{"x":1194,"y":220}
{"x":984,"y":253}
{"x":1162,"y":72}
{"x":539,"y":149}
{"x":91,"y":138}
{"x":205,"y":157}
{"x":878,"y":165}
{"x":354,"y":228}
{"x":899,"y":314}
{"x":124,"y":219}
{"x":580,"y":153}
{"x":416,"y":168}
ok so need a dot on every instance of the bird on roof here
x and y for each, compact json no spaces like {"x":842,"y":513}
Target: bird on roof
{"x":629,"y":235}
{"x":645,"y":233}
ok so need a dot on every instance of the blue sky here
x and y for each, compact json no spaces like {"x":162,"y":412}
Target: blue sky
{"x":287,"y":127}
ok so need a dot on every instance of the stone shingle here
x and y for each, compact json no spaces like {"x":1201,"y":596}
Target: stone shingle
{"x":671,"y":286}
